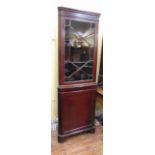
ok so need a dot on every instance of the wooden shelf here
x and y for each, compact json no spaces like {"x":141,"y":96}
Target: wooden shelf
{"x":68,"y":61}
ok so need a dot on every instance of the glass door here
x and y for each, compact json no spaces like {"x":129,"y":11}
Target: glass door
{"x":79,"y":50}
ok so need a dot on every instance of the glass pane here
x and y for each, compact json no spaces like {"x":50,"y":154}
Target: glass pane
{"x":79,"y":48}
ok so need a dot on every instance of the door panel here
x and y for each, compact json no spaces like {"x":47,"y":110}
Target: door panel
{"x":77,"y":109}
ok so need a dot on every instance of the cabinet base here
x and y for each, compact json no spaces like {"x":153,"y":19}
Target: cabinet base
{"x":76,"y":108}
{"x":62,"y":137}
{"x":92,"y":130}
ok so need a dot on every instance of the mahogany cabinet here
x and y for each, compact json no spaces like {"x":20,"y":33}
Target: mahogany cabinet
{"x":78,"y":34}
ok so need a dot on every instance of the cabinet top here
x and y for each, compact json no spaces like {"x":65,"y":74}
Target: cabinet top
{"x":69,"y":11}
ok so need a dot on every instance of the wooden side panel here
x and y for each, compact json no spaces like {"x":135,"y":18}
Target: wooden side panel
{"x":76,"y":110}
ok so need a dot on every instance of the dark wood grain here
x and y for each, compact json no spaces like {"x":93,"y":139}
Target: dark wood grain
{"x":87,"y":15}
{"x":76,"y":110}
{"x":76,"y":99}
